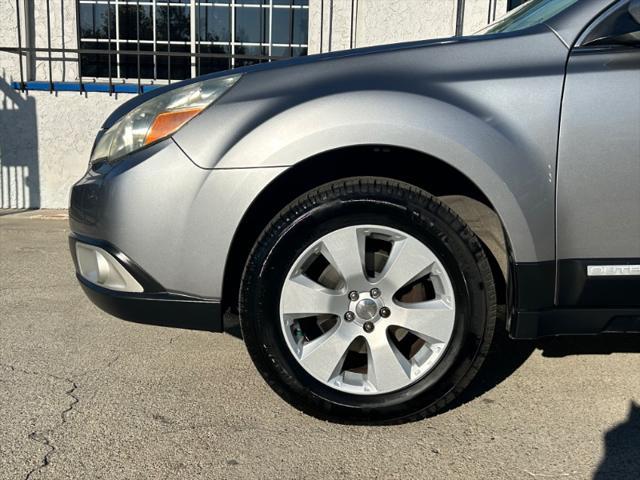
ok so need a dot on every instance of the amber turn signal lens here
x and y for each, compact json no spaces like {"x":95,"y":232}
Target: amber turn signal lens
{"x":168,"y":122}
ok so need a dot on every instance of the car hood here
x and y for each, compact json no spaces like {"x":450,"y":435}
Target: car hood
{"x":281,"y":64}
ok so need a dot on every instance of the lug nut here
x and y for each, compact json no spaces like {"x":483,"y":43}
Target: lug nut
{"x":375,"y":293}
{"x":353,"y":295}
{"x":368,"y":327}
{"x":349,"y":316}
{"x":385,"y":312}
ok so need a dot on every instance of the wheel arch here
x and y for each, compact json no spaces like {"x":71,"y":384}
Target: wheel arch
{"x":399,"y":163}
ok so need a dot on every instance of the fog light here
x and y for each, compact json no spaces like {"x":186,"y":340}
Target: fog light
{"x":100,"y":268}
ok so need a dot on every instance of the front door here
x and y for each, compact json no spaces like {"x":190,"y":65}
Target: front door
{"x":598,"y":196}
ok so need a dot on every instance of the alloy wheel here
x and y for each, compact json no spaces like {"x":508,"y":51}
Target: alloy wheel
{"x":367,"y":309}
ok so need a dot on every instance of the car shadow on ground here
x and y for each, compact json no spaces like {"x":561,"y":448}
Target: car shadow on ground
{"x":507,"y":355}
{"x":604,"y":344}
{"x":621,"y":457}
{"x":504,"y":358}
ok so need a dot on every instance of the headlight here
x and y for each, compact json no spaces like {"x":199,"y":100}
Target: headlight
{"x":159,"y":117}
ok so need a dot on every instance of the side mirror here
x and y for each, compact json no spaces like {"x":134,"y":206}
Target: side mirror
{"x":634,"y":10}
{"x":612,"y":32}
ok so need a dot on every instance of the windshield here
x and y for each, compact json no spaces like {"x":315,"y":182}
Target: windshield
{"x":527,"y":15}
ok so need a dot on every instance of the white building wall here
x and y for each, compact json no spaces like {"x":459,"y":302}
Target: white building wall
{"x":361,"y":23}
{"x":45,"y":142}
{"x":45,"y":139}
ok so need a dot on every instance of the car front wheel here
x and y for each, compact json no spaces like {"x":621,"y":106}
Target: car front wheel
{"x":368,"y":300}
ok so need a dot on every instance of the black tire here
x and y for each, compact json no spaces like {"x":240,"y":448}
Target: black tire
{"x":385,"y":202}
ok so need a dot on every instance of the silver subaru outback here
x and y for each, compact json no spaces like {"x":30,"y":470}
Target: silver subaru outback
{"x":366,"y":211}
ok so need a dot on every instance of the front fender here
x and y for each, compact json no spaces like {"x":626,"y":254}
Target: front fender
{"x":497,"y":159}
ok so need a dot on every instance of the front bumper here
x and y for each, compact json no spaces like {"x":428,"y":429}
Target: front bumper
{"x":115,"y":209}
{"x":150,"y":303}
{"x":168,"y":223}
{"x":173,"y":218}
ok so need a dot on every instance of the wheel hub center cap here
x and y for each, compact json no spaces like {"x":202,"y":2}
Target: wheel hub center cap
{"x":367,"y":309}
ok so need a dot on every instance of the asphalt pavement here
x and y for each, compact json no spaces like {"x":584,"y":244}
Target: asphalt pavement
{"x":84,"y":395}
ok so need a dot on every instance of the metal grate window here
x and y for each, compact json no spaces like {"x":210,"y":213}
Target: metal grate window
{"x":198,"y":36}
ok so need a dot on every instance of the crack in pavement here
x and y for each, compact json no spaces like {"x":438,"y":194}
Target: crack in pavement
{"x":43,"y":437}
